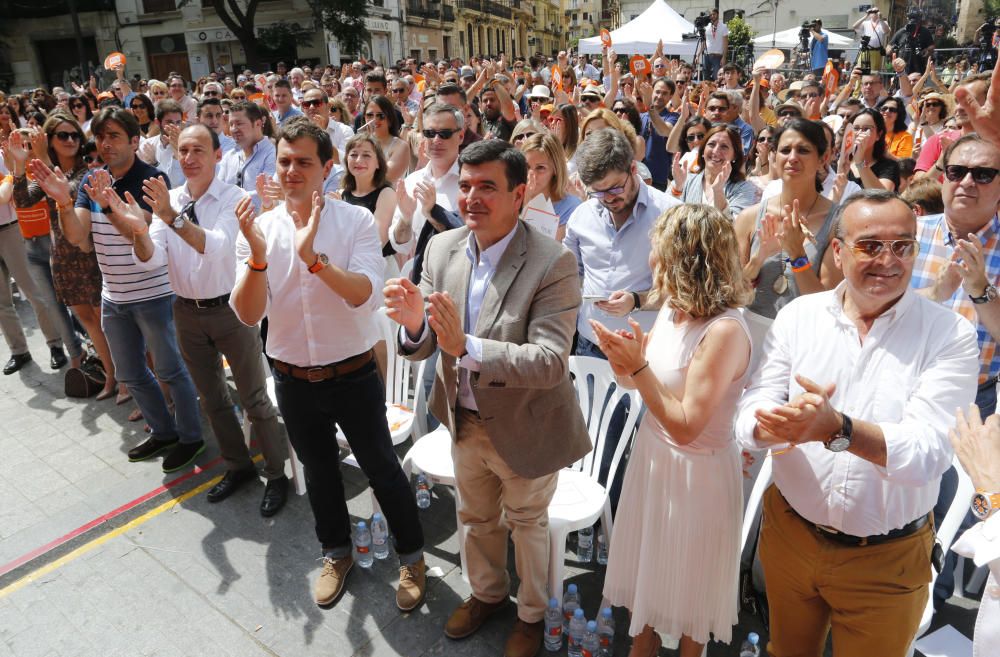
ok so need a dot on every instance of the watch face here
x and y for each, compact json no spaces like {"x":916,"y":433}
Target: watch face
{"x":838,"y":443}
{"x":323,"y":258}
{"x":178,"y":221}
{"x":981,"y":506}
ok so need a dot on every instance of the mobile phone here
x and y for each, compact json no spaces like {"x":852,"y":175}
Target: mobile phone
{"x":594,"y":297}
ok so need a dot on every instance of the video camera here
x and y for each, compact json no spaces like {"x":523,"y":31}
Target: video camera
{"x":805,"y":34}
{"x":912,"y":18}
{"x":701,"y":21}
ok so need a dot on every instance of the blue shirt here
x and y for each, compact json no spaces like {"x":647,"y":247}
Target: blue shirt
{"x":290,"y":114}
{"x":611,"y":260}
{"x":236,"y":169}
{"x":657,"y":159}
{"x":565,"y":208}
{"x":746,"y":134}
{"x":818,"y":49}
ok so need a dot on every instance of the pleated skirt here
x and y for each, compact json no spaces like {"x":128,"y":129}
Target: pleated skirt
{"x":675,"y":548}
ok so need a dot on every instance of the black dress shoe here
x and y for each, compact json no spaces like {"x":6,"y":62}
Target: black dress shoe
{"x":231,"y":483}
{"x":16,"y":362}
{"x":58,"y":358}
{"x":182,"y":455}
{"x":149,"y":449}
{"x":275,"y":496}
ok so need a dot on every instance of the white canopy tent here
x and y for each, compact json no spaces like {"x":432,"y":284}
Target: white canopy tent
{"x":641,"y":34}
{"x":790,"y":39}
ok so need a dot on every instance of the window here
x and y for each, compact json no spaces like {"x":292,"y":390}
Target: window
{"x":156,"y":6}
{"x":586,"y":16}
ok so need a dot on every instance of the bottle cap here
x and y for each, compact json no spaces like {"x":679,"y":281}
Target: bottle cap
{"x":553,"y":603}
{"x":376,"y":517}
{"x":571,"y":588}
{"x":578,"y":613}
{"x":606,"y":612}
{"x":591,"y":626}
{"x":753,"y":638}
{"x":362,"y":525}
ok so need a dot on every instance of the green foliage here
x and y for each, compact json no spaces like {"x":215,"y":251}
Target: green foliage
{"x":345,"y":20}
{"x":740,"y":33}
{"x":284,"y":37}
{"x":992,"y":8}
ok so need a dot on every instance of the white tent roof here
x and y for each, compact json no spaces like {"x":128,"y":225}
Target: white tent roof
{"x":641,"y":34}
{"x":790,"y":39}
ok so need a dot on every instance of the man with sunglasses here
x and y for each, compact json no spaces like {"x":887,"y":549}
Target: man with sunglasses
{"x":316,"y":105}
{"x":931,"y":160}
{"x":858,"y":438}
{"x":454,"y":95}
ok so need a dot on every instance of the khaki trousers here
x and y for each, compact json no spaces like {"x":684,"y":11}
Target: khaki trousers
{"x":14,"y":262}
{"x":487,"y":486}
{"x":204,"y":335}
{"x":871,"y":597}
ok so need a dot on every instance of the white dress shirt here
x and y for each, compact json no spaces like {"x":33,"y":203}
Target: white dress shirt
{"x":917,"y":364}
{"x":310,"y":325}
{"x":339,"y":134}
{"x":196,"y":275}
{"x":447,"y":198}
{"x":981,"y":543}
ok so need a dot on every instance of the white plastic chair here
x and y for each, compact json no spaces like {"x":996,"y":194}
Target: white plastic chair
{"x":755,"y":499}
{"x":580,"y":499}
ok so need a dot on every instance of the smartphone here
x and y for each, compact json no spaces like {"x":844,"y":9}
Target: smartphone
{"x":594,"y":297}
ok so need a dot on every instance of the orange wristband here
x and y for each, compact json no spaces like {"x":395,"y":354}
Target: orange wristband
{"x":796,"y":270}
{"x":255,"y":267}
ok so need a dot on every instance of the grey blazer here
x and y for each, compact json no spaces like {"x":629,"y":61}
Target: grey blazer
{"x":740,"y":195}
{"x":528,"y":316}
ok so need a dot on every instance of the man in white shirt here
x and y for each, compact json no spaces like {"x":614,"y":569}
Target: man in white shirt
{"x":859,"y":441}
{"x":316,"y":105}
{"x":178,"y":92}
{"x":443,"y":131}
{"x":195,"y":239}
{"x":295,"y":77}
{"x":161,"y":150}
{"x":873,"y":26}
{"x":254,"y":154}
{"x":314,"y":267}
{"x":716,"y":45}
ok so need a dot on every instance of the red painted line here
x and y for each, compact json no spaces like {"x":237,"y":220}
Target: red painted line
{"x":39,"y":551}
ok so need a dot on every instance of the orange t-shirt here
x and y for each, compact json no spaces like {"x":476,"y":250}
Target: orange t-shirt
{"x":33,"y":221}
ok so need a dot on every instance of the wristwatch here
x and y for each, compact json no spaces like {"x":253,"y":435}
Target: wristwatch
{"x":984,"y":504}
{"x":178,"y":221}
{"x":841,"y":440}
{"x":321,"y":262}
{"x":989,"y":294}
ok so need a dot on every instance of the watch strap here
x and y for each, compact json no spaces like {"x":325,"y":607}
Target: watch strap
{"x":315,"y":267}
{"x":989,"y":293}
{"x":985,"y":504}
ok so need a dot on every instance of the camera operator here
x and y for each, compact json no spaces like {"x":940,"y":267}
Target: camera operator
{"x":914,"y":43}
{"x":818,"y":47}
{"x":987,"y":39}
{"x":873,"y":26}
{"x":716,"y":36}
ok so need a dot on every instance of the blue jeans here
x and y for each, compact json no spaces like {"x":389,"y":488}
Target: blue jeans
{"x":131,"y":329}
{"x":39,"y":252}
{"x":711,"y":65}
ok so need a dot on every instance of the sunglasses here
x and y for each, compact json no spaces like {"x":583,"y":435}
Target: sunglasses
{"x":399,"y":91}
{"x":312,"y":103}
{"x":787,"y":113}
{"x":137,"y":106}
{"x":67,"y":135}
{"x":933,"y":103}
{"x":524,"y":135}
{"x":210,"y":93}
{"x":430,"y":133}
{"x":885,"y":109}
{"x":871,"y":249}
{"x":694,"y":136}
{"x":604,"y":193}
{"x":90,"y":159}
{"x":618,"y":110}
{"x":77,"y":106}
{"x":375,"y":115}
{"x":981,"y":175}
{"x":589,"y":100}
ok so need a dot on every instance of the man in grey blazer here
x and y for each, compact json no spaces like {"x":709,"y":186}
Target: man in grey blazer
{"x":501,"y":304}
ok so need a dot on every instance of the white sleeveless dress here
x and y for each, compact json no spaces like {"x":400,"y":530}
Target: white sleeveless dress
{"x":675,"y":548}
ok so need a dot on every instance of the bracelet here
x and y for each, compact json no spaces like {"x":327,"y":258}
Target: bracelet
{"x":64,"y":208}
{"x":676,"y":192}
{"x":254,"y":266}
{"x":798,"y":263}
{"x":796,"y":270}
{"x":637,"y":303}
{"x":640,"y":369}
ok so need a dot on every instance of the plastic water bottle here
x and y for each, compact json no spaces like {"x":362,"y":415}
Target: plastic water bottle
{"x":591,"y":645}
{"x":380,"y":537}
{"x":571,"y":602}
{"x":577,"y":627}
{"x":606,"y":632}
{"x":602,"y":549}
{"x":423,"y":492}
{"x":553,"y":626}
{"x":363,"y":546}
{"x":585,"y":544}
{"x":750,"y":647}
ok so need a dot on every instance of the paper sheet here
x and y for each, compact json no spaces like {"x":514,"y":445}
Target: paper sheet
{"x":541,"y":215}
{"x":945,"y":642}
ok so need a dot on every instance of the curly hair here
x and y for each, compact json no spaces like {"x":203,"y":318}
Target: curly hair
{"x":697,"y":267}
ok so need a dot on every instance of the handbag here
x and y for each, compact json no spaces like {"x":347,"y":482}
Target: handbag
{"x":85,"y":381}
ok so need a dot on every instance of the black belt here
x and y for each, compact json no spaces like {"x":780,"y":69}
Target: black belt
{"x":206,"y":303}
{"x":860,"y":541}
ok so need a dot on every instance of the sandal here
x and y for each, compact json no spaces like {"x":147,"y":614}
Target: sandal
{"x":105,"y":394}
{"x":135,"y":415}
{"x":123,"y":397}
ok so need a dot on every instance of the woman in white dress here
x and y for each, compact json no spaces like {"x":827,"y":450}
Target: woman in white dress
{"x":674,"y":554}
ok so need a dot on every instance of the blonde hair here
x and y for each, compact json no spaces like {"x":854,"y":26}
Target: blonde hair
{"x":546,"y":142}
{"x":612,"y":120}
{"x":156,"y":85}
{"x":697,"y":267}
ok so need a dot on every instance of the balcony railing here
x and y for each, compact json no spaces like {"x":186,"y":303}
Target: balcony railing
{"x":414,"y":8}
{"x":449,"y":14}
{"x":487,"y":7}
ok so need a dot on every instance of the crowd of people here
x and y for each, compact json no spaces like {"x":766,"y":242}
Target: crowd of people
{"x":781,"y":266}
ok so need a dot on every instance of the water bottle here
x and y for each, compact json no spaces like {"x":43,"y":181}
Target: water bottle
{"x":750,"y":647}
{"x":571,"y":602}
{"x":606,"y":632}
{"x":363,"y":546}
{"x":602,"y":549}
{"x":585,"y":544}
{"x":577,"y":627}
{"x":380,"y":537}
{"x":423,"y":492}
{"x":591,"y":645}
{"x":553,"y":626}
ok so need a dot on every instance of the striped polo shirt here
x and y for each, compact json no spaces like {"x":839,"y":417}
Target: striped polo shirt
{"x":123,"y":281}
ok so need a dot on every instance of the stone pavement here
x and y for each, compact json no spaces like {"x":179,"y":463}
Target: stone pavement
{"x":174,"y":575}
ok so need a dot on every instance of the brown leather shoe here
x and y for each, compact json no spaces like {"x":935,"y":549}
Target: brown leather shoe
{"x":470,"y":615}
{"x":525,"y":639}
{"x":330,"y":584}
{"x":412,"y":586}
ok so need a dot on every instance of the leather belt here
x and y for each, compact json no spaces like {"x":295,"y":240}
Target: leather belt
{"x":206,"y":303}
{"x":860,"y":541}
{"x":325,"y":372}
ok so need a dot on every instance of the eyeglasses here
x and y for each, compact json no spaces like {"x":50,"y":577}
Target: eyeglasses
{"x":67,"y":135}
{"x":312,"y":103}
{"x":604,"y":193}
{"x":379,"y":116}
{"x":871,"y":249}
{"x":886,"y":109}
{"x":694,"y":136}
{"x":430,"y":133}
{"x":981,"y":175}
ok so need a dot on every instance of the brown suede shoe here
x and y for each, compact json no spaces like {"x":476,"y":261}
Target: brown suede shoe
{"x":525,"y":639}
{"x":330,"y":584}
{"x":470,"y":615}
{"x":412,"y":586}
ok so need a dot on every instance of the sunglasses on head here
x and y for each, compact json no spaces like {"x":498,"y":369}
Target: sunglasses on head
{"x":430,"y":133}
{"x":67,"y":135}
{"x":871,"y":249}
{"x":312,"y":103}
{"x":981,"y":175}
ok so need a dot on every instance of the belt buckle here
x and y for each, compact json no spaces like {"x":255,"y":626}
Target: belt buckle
{"x":315,"y":374}
{"x":197,"y":304}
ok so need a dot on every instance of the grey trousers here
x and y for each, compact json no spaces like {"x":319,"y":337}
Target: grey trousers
{"x":205,"y":335}
{"x":14,"y":262}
